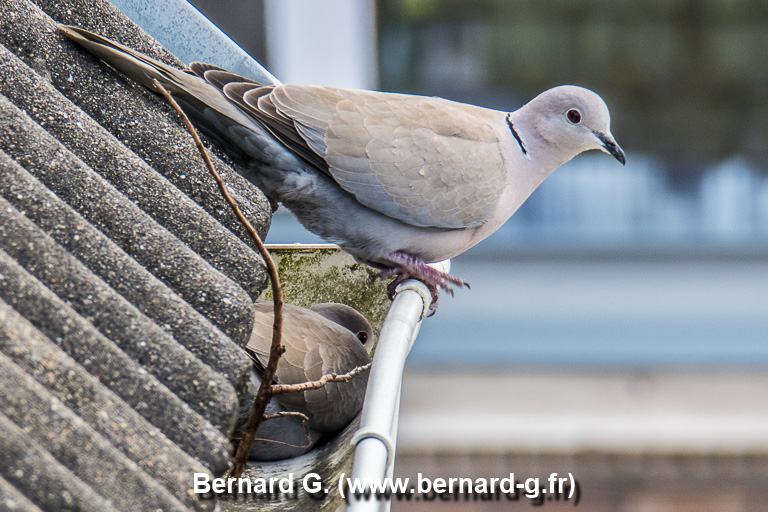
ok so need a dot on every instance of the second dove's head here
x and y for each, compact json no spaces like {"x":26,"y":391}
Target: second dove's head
{"x":574,"y":120}
{"x":350,"y":319}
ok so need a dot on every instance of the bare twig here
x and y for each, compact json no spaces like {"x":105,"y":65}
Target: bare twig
{"x":277,"y":389}
{"x":304,"y":423}
{"x":307,"y":445}
{"x":283,"y":414}
{"x":276,"y":350}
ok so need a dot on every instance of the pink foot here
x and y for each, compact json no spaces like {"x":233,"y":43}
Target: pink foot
{"x":409,"y":267}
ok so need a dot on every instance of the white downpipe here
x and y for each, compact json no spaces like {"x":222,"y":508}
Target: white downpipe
{"x":375,"y":440}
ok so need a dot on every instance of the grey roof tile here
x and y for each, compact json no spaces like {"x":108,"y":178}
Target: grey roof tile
{"x":12,"y":500}
{"x":204,"y":390}
{"x":129,"y":174}
{"x":76,"y":445}
{"x":135,"y":116}
{"x":48,"y":382}
{"x":35,"y":472}
{"x":171,"y":261}
{"x":124,"y":274}
{"x":98,"y":356}
{"x":125,"y":281}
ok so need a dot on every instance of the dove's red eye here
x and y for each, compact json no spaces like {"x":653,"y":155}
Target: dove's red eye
{"x":574,"y":116}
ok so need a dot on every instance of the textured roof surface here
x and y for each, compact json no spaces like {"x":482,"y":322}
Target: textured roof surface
{"x":125,"y":281}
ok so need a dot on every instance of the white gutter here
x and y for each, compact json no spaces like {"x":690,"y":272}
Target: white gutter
{"x":375,"y":440}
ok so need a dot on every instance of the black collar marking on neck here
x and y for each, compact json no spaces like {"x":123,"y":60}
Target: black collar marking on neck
{"x":516,"y":136}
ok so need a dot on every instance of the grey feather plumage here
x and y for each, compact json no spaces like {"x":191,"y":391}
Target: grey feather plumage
{"x":315,"y":346}
{"x":327,"y":338}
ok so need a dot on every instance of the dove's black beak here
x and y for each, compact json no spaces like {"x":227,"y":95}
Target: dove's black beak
{"x":610,"y":147}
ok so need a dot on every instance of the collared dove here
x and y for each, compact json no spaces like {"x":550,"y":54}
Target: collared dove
{"x":396,"y":180}
{"x":324,"y":339}
{"x":320,"y":341}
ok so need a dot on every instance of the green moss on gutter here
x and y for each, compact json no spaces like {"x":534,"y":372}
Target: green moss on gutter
{"x":312,"y":274}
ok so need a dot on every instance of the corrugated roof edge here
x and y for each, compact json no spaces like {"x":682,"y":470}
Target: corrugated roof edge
{"x":125,"y":292}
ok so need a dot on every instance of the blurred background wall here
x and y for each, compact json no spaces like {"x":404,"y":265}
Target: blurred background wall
{"x":617,"y":326}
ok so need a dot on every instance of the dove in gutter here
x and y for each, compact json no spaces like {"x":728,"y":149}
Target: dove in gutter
{"x":322,"y":340}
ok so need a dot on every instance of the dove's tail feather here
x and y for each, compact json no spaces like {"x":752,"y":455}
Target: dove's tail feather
{"x":196,"y":96}
{"x":191,"y":89}
{"x":133,"y":64}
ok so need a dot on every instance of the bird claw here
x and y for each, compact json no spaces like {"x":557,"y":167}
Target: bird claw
{"x":433,"y":290}
{"x":435,"y":300}
{"x":392,"y":287}
{"x":409,"y":267}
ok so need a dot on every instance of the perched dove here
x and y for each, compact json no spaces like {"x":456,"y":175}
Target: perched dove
{"x":396,"y":180}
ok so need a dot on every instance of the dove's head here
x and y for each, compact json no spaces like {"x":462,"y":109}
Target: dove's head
{"x":573,"y":119}
{"x":348,"y":318}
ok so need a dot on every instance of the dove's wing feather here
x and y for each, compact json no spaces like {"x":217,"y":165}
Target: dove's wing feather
{"x":427,"y":162}
{"x":411,"y":158}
